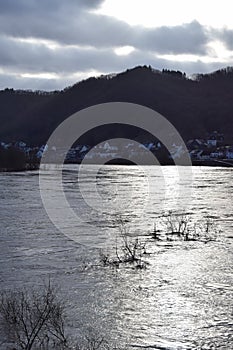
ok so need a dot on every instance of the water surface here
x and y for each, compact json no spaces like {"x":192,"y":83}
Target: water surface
{"x":183,"y":300}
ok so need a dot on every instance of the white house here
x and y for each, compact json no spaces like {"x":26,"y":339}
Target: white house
{"x":217,"y":154}
{"x":84,"y":149}
{"x":215,"y":139}
{"x":229,"y":153}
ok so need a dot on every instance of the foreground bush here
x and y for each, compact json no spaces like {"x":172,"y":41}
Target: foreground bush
{"x":33,"y":319}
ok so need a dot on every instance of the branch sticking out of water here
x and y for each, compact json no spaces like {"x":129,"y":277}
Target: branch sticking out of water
{"x":127,"y":250}
{"x":180,"y":227}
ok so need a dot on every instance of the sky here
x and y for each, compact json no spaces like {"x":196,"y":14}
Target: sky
{"x":52,"y":44}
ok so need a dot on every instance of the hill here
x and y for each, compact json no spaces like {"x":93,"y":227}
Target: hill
{"x":194,"y":106}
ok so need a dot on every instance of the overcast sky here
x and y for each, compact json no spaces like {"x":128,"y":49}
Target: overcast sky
{"x":50,"y":44}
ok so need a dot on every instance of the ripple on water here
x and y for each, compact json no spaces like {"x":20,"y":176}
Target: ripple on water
{"x":181,"y":301}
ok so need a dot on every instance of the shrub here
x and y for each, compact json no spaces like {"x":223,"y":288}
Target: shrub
{"x":36,"y":320}
{"x":172,"y":227}
{"x":33,"y":319}
{"x":127,"y":250}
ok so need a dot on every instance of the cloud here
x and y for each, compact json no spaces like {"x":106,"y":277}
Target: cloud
{"x":74,"y":26}
{"x":187,"y":38}
{"x":37,"y":7}
{"x":225,"y":35}
{"x":18,"y":82}
{"x":69,"y":40}
{"x":22,"y":56}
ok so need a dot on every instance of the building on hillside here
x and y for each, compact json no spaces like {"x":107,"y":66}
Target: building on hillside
{"x":196,"y":144}
{"x":205,"y":155}
{"x":107,"y":147}
{"x":215,"y":139}
{"x":218,"y":154}
{"x":229,"y":152}
{"x":196,"y":154}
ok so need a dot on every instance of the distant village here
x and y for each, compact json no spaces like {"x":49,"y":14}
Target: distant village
{"x":213,"y":151}
{"x":213,"y":147}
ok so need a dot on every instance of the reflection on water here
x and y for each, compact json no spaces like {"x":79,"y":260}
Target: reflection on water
{"x":183,"y":300}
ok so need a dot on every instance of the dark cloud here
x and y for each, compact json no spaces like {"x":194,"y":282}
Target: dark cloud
{"x":38,"y":7}
{"x":187,"y":38}
{"x":70,"y":23}
{"x":19,"y":56}
{"x":86,"y":41}
{"x":74,"y":26}
{"x":225,"y":36}
{"x":35,"y":58}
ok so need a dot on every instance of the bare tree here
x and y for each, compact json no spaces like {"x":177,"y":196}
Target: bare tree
{"x":36,"y":320}
{"x":33,"y":320}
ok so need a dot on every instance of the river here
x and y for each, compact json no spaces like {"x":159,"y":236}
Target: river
{"x":182,"y":300}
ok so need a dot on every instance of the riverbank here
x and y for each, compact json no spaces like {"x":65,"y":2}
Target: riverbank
{"x":27,"y":167}
{"x":212,"y":163}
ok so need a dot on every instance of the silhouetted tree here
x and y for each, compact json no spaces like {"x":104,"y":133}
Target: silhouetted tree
{"x":12,"y":159}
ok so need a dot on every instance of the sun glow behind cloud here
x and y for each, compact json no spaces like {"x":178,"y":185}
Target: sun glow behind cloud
{"x":40,"y":75}
{"x":217,"y":49}
{"x":217,"y":52}
{"x":124,"y":50}
{"x":151,"y":13}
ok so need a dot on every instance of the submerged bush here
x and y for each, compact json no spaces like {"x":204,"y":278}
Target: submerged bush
{"x":172,"y":227}
{"x":127,"y":250}
{"x":168,"y":228}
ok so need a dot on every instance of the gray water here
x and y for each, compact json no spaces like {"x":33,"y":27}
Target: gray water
{"x":183,"y":300}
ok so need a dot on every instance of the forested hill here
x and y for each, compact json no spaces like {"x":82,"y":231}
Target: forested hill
{"x":194,"y":106}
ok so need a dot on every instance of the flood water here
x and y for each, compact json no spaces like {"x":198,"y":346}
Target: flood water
{"x":182,"y":300}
